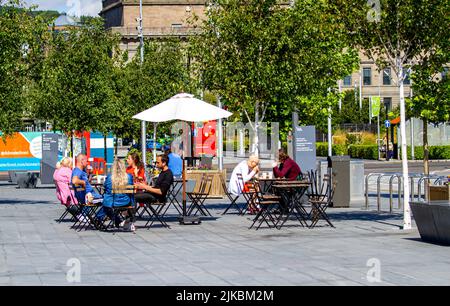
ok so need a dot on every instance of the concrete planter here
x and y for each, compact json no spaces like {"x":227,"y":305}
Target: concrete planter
{"x":433,"y":221}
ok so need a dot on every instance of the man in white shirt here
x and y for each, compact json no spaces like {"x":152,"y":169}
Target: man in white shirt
{"x":248,"y":168}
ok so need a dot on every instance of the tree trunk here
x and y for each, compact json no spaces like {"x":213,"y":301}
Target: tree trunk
{"x":406,"y":208}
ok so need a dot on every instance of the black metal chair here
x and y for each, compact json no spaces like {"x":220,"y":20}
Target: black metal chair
{"x":265,"y":204}
{"x":320,"y":199}
{"x":198,"y":198}
{"x":233,"y":198}
{"x":129,"y":208}
{"x":86,"y":211}
{"x":70,"y":207}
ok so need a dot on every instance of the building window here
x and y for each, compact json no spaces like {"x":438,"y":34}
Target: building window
{"x":367,"y":76}
{"x":387,"y":76}
{"x":387,"y":103}
{"x":407,"y":80}
{"x":177,"y":25}
{"x":348,"y":80}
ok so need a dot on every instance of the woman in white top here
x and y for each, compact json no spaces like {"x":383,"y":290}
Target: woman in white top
{"x":248,"y":169}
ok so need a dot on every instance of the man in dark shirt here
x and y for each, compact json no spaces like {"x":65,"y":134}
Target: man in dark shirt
{"x":162,"y":185}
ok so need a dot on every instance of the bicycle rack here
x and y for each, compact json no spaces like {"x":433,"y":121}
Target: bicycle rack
{"x":367,"y":187}
{"x":399,"y":176}
{"x":399,"y":189}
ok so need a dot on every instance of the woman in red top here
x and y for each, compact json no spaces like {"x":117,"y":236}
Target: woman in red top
{"x":135,"y":167}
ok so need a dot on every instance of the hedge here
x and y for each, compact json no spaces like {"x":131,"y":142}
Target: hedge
{"x":435,"y":152}
{"x":363,"y":151}
{"x":371,"y":151}
{"x":337,"y":149}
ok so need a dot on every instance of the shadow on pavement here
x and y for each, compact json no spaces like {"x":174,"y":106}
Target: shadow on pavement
{"x":24,"y":202}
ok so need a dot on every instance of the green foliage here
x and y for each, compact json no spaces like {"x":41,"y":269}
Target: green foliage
{"x":75,"y":90}
{"x":337,"y":149}
{"x":266,"y":60}
{"x":440,"y":152}
{"x":21,"y":49}
{"x":163,"y":74}
{"x":436,"y":152}
{"x":350,"y":111}
{"x":363,"y":151}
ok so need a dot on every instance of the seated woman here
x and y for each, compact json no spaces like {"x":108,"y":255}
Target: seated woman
{"x":62,"y":177}
{"x":287,"y":168}
{"x":118,"y":178}
{"x":135,"y":167}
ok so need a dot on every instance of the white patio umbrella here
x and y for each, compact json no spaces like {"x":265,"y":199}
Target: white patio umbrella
{"x":183,"y":107}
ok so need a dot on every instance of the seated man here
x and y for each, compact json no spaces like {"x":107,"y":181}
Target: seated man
{"x":175,"y":162}
{"x":162,"y":185}
{"x":80,"y":178}
{"x":287,"y":168}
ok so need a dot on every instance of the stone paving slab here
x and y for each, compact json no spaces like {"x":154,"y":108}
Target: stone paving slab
{"x":35,"y":249}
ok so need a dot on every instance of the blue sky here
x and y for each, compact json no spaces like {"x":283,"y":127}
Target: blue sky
{"x":72,"y":7}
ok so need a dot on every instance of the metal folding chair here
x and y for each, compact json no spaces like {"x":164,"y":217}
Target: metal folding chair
{"x":266,"y":204}
{"x":69,"y":205}
{"x":86,"y":210}
{"x":320,"y":200}
{"x":153,"y":210}
{"x":233,"y":198}
{"x":128,"y":190}
{"x":248,"y":192}
{"x":198,"y":198}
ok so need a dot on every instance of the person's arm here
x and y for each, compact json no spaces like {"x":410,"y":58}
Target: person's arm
{"x":245,"y":175}
{"x":77,"y":182}
{"x":148,"y":188}
{"x":287,"y":165}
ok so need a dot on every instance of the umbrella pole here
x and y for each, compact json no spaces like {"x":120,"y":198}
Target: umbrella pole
{"x":185,"y":219}
{"x":184,"y":189}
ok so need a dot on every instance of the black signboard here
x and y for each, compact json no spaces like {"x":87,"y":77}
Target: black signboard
{"x":305,"y":147}
{"x":49,"y":157}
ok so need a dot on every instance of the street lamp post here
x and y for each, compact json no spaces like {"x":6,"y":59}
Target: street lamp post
{"x":141,"y":50}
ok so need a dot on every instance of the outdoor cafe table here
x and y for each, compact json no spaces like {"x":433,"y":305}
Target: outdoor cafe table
{"x":266,"y":183}
{"x":291,"y":194}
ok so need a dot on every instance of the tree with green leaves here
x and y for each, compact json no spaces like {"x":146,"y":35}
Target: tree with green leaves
{"x":21,"y":41}
{"x":75,"y":88}
{"x":163,"y":73}
{"x":431,"y":87}
{"x":266,"y":57}
{"x":397,"y":34}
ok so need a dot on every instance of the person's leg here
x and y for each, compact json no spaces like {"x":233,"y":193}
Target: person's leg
{"x":145,"y":197}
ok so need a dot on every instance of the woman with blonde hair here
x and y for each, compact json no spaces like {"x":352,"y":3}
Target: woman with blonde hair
{"x":118,"y":178}
{"x":61,"y":177}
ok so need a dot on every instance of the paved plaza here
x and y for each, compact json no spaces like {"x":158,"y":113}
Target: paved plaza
{"x":36,"y":250}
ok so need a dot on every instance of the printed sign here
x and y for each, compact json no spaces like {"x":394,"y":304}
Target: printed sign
{"x":305,"y":147}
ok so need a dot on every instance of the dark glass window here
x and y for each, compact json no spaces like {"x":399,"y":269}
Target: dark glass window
{"x":387,"y":103}
{"x":367,"y":76}
{"x":348,"y":80}
{"x":387,"y":76}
